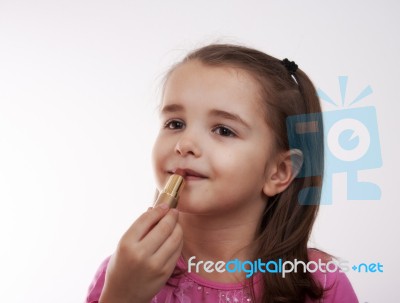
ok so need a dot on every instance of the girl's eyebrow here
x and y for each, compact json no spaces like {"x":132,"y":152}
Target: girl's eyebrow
{"x":229,"y":116}
{"x":173,"y":108}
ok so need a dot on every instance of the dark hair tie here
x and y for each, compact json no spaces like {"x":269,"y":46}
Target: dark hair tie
{"x":290,"y":66}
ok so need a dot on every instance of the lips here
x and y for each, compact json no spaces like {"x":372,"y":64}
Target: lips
{"x":187,"y":173}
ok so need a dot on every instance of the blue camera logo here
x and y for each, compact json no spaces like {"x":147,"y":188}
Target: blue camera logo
{"x":350,"y":144}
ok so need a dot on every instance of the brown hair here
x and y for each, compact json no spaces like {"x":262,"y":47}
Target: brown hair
{"x":286,"y":224}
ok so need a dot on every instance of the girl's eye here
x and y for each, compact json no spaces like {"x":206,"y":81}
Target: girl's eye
{"x":173,"y":124}
{"x":224,"y":131}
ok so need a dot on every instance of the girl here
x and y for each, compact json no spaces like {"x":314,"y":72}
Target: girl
{"x":223,"y":113}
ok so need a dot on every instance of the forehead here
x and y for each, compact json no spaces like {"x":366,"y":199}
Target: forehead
{"x":220,"y":85}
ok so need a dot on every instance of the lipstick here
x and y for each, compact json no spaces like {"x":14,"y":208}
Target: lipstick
{"x":171,"y":191}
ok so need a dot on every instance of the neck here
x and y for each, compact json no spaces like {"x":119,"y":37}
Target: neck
{"x":219,"y":238}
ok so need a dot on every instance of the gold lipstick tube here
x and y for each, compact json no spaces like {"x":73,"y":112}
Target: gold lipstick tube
{"x":171,"y":191}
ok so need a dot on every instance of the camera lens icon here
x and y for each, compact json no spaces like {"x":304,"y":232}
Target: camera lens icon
{"x":348,"y":139}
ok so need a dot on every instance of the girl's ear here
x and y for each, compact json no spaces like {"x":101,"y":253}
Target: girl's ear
{"x":282,"y":173}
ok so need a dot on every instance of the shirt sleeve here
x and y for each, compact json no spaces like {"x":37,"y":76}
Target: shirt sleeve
{"x":97,"y":284}
{"x":336,"y":285}
{"x":338,"y":288}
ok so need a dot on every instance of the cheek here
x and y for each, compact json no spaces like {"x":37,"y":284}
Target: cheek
{"x":154,"y":152}
{"x":158,"y":154}
{"x":222,"y":161}
{"x":229,"y":165}
{"x":249,"y":162}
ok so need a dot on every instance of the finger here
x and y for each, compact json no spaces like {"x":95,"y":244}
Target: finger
{"x":146,"y":222}
{"x":171,"y":246}
{"x":159,"y":234}
{"x":170,"y":263}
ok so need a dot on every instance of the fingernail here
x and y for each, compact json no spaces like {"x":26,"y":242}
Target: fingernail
{"x":163,"y":206}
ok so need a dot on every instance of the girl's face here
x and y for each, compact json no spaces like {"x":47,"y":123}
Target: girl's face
{"x":213,"y":131}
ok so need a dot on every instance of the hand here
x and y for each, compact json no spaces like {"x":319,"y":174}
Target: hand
{"x":145,"y":257}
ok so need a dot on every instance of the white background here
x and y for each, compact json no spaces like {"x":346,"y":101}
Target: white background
{"x":79,"y":85}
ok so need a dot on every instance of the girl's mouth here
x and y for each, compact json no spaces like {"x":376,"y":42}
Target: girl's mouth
{"x":188,"y":174}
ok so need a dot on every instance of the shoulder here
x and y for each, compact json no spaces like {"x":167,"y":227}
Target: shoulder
{"x":97,"y":284}
{"x":327,"y":273}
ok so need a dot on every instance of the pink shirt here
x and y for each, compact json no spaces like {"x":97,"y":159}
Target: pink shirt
{"x":192,"y":288}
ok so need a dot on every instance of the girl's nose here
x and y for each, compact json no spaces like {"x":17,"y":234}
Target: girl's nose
{"x":187,"y":146}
